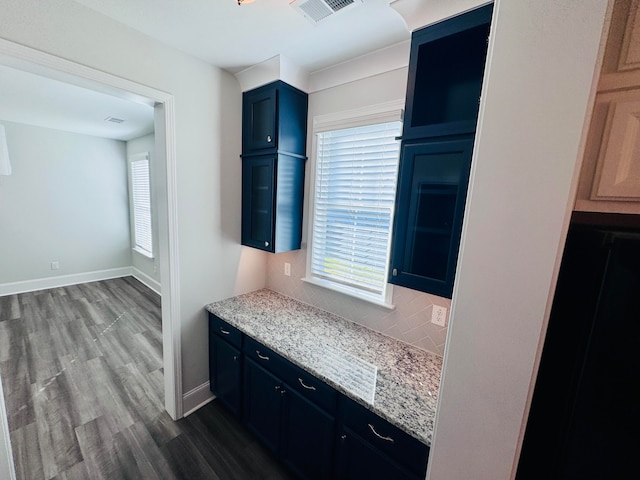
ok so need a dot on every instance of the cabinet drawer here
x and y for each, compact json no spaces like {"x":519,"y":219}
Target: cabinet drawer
{"x":387,"y":438}
{"x":265,"y":357}
{"x":312,"y":388}
{"x":221,"y":328}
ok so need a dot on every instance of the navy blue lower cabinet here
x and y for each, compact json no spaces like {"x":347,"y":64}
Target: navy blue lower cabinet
{"x":263,"y":404}
{"x":358,"y":459}
{"x":370,"y":447}
{"x":430,"y":201}
{"x":308,"y":437}
{"x":225,"y":364}
{"x":272,"y":197}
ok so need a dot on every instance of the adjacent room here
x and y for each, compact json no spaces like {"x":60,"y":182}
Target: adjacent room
{"x":317,"y":239}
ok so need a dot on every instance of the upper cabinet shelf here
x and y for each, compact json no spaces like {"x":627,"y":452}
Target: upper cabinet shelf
{"x":274,"y":119}
{"x":446,"y":69}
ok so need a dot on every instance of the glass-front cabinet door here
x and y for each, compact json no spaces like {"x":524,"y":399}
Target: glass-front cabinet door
{"x":432,"y":187}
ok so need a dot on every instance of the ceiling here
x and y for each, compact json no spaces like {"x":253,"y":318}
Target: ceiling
{"x":44,"y":102}
{"x":219,"y":32}
{"x":235,"y":37}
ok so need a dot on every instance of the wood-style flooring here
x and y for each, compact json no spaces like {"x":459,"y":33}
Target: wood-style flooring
{"x":81,"y":368}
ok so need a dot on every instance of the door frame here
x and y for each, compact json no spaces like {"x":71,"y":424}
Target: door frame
{"x":35,"y":61}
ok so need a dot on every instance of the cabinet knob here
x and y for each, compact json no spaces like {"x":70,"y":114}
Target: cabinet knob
{"x":269,"y":138}
{"x":277,"y":387}
{"x":266,"y":244}
{"x":394,"y":272}
{"x":235,"y":358}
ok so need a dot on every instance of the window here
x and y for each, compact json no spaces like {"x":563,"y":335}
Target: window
{"x":354,"y":199}
{"x":141,"y":204}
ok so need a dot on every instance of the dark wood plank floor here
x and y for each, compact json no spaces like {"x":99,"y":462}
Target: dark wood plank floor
{"x":81,"y":368}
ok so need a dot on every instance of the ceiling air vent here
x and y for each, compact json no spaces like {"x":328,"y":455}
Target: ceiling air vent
{"x":113,"y":120}
{"x":316,"y":10}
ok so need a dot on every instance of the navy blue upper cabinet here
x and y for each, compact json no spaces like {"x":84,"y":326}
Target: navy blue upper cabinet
{"x":272,"y":194}
{"x":274,"y":118}
{"x":446,"y":69}
{"x":443,"y":94}
{"x":274,"y":137}
{"x":429,"y":209}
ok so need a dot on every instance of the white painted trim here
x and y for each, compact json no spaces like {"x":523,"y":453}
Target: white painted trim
{"x":142,"y":277}
{"x":7,"y":468}
{"x":62,"y":281}
{"x":32,"y":60}
{"x":197,"y":398}
{"x":381,"y":61}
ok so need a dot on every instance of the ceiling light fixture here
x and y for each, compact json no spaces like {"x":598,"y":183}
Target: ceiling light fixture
{"x":240,"y":2}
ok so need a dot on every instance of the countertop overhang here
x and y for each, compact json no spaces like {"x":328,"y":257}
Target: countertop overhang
{"x":405,"y":390}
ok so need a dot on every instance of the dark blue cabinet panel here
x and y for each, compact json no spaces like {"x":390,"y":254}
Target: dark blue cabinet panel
{"x":446,"y":69}
{"x":370,"y":446}
{"x":308,"y":437}
{"x":272,"y":194}
{"x":274,"y":118}
{"x":225,"y":364}
{"x":432,"y":188}
{"x":274,"y":136}
{"x":263,"y":404}
{"x":259,"y":119}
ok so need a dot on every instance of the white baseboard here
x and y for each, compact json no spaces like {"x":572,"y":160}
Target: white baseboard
{"x":147,"y":280}
{"x":196,"y":398}
{"x":62,"y":281}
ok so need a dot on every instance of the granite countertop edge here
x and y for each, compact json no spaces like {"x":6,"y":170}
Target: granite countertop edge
{"x":408,"y":378}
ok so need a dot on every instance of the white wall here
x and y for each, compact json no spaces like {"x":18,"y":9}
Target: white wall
{"x":66,"y":201}
{"x":410,"y":320}
{"x":212,"y":264}
{"x":541,"y":65}
{"x":147,"y":269}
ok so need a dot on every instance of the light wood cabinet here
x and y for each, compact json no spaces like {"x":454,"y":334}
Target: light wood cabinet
{"x":610,"y":176}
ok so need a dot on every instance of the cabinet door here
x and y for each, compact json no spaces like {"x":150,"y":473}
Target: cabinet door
{"x":226,"y":373}
{"x":357,"y":459}
{"x":258,"y":197}
{"x":446,"y":69}
{"x":432,"y":186}
{"x":308,"y":437}
{"x":263,"y":404}
{"x":259,"y":119}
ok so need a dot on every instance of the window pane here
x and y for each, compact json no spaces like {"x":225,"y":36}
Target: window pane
{"x":141,"y":197}
{"x":355,"y":189}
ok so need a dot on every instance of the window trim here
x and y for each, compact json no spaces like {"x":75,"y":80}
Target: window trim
{"x":140,"y":250}
{"x":374,"y":114}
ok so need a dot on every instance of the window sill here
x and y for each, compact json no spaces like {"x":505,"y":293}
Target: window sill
{"x":142,"y":252}
{"x":352,"y":292}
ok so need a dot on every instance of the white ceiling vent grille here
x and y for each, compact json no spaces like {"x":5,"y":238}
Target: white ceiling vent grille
{"x":317,"y":10}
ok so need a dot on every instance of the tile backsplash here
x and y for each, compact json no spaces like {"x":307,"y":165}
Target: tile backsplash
{"x":409,"y":322}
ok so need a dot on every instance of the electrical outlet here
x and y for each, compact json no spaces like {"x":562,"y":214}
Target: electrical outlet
{"x":287,"y":269}
{"x":55,"y":265}
{"x":439,"y":315}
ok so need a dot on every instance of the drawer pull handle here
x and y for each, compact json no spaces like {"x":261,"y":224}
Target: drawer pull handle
{"x":306,"y":386}
{"x":225,"y":332}
{"x":269,"y":138}
{"x":388,"y":439}
{"x":261,"y":357}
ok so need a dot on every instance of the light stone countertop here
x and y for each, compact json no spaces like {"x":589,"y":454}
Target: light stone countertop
{"x":407,"y":380}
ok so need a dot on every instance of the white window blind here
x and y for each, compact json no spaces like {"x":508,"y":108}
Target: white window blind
{"x":355,"y":188}
{"x":141,"y":206}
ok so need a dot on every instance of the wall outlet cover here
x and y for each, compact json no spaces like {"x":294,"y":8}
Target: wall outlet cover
{"x":439,"y":315}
